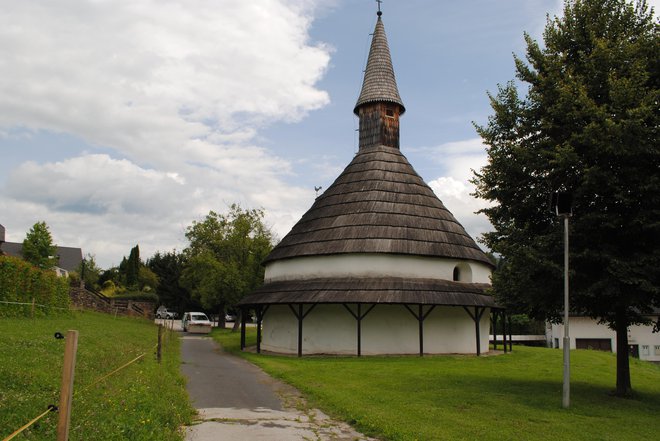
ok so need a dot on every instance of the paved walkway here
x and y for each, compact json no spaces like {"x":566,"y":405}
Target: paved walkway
{"x":237,"y":400}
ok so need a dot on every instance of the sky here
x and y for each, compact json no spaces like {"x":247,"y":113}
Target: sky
{"x":123,"y":121}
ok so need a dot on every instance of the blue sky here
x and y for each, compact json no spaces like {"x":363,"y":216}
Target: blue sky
{"x":123,"y":121}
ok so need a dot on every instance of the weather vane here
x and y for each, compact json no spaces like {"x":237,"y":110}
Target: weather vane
{"x":379,"y":2}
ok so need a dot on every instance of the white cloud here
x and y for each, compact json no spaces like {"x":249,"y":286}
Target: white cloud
{"x":176,"y":93}
{"x":151,"y":74}
{"x":454,"y":189}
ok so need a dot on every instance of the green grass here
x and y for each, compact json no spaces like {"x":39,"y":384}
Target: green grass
{"x":145,"y":401}
{"x":506,"y":397}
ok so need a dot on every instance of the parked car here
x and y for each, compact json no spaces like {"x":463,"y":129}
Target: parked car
{"x":163,"y":313}
{"x":196,"y":322}
{"x":230,"y":317}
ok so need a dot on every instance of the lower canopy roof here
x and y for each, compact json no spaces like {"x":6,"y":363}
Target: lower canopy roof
{"x":383,"y":290}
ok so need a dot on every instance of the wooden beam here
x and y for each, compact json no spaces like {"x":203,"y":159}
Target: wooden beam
{"x":494,"y":321}
{"x":258,"y":312}
{"x":66,"y":391}
{"x":510,"y":335}
{"x":300,"y":328}
{"x":478,"y":313}
{"x":243,"y":320}
{"x":421,"y":330}
{"x":504,"y":331}
{"x":358,"y":318}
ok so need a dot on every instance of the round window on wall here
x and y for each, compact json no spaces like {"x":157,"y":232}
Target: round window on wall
{"x":462,"y":273}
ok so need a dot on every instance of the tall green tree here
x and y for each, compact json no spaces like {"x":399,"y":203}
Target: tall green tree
{"x":133,"y":267}
{"x":168,"y":267}
{"x":38,"y":247}
{"x":224,"y":257}
{"x":90,"y":271}
{"x":588,"y":125}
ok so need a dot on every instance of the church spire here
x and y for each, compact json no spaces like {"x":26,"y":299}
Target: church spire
{"x":379,"y":104}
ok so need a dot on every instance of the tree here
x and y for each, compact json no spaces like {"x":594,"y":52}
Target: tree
{"x":168,"y":268}
{"x":147,"y":279}
{"x":224,"y":257}
{"x":588,"y":125}
{"x":38,"y":247}
{"x":90,"y":272}
{"x":132,"y":267}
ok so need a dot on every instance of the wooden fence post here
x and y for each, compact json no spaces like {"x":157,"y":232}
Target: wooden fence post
{"x":66,"y":392}
{"x":32,"y":310}
{"x":160,"y":341}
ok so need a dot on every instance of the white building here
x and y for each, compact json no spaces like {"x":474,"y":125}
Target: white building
{"x":378,"y":265}
{"x":586,"y":333}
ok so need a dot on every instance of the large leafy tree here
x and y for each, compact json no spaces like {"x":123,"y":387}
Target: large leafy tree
{"x":90,"y":271}
{"x":224,"y":257}
{"x":168,"y":267}
{"x":38,"y":247}
{"x":589,"y":126}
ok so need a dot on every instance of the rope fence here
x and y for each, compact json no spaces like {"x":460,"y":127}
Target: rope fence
{"x":50,"y":409}
{"x":64,"y":419}
{"x":32,"y":304}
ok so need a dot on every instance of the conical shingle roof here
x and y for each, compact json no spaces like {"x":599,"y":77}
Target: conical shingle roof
{"x":379,"y":204}
{"x":379,"y":83}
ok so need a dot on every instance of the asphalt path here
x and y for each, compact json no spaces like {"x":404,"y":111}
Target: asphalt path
{"x":220,"y":380}
{"x":237,"y":400}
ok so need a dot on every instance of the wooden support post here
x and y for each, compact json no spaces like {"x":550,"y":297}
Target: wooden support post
{"x":494,"y":319}
{"x":32,"y":310}
{"x":66,"y":391}
{"x":504,"y":331}
{"x":358,"y":317}
{"x":243,"y":321}
{"x":300,"y":329}
{"x":510,"y":335}
{"x":421,"y":331}
{"x":477,"y":332}
{"x":258,"y":312}
{"x":359,"y":330}
{"x":160,"y":342}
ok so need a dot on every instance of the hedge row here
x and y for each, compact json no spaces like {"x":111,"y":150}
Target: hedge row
{"x":139,"y":296}
{"x":22,"y":282}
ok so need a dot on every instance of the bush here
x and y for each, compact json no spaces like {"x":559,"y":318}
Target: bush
{"x":21,"y":282}
{"x":139,"y":296}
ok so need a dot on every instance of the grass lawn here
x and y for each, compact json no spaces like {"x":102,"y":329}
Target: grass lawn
{"x":145,"y":401}
{"x":505,"y":397}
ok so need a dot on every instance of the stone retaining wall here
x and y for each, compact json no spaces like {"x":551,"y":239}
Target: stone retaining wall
{"x":85,"y":299}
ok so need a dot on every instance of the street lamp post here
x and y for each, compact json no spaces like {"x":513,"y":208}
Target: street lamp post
{"x":561,"y":204}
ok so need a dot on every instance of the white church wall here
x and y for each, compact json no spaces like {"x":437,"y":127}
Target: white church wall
{"x":370,"y":265}
{"x":387,"y":329}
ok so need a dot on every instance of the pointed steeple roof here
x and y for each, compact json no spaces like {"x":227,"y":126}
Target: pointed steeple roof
{"x":379,"y":83}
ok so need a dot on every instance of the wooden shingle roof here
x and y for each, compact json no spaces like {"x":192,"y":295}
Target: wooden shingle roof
{"x":388,"y":290}
{"x":379,"y":83}
{"x":379,"y":204}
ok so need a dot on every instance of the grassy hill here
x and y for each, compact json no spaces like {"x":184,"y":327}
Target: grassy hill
{"x":505,"y":397}
{"x":144,"y":401}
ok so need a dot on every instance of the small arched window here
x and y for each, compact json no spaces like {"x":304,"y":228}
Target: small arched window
{"x":462,"y":272}
{"x":389,"y":112}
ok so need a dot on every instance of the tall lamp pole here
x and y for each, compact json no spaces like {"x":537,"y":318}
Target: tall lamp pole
{"x":561,"y":204}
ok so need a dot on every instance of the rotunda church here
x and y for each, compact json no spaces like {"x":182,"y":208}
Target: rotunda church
{"x":378,"y":265}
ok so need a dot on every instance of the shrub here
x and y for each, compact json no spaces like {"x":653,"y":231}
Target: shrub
{"x":21,"y":282}
{"x":139,"y":296}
